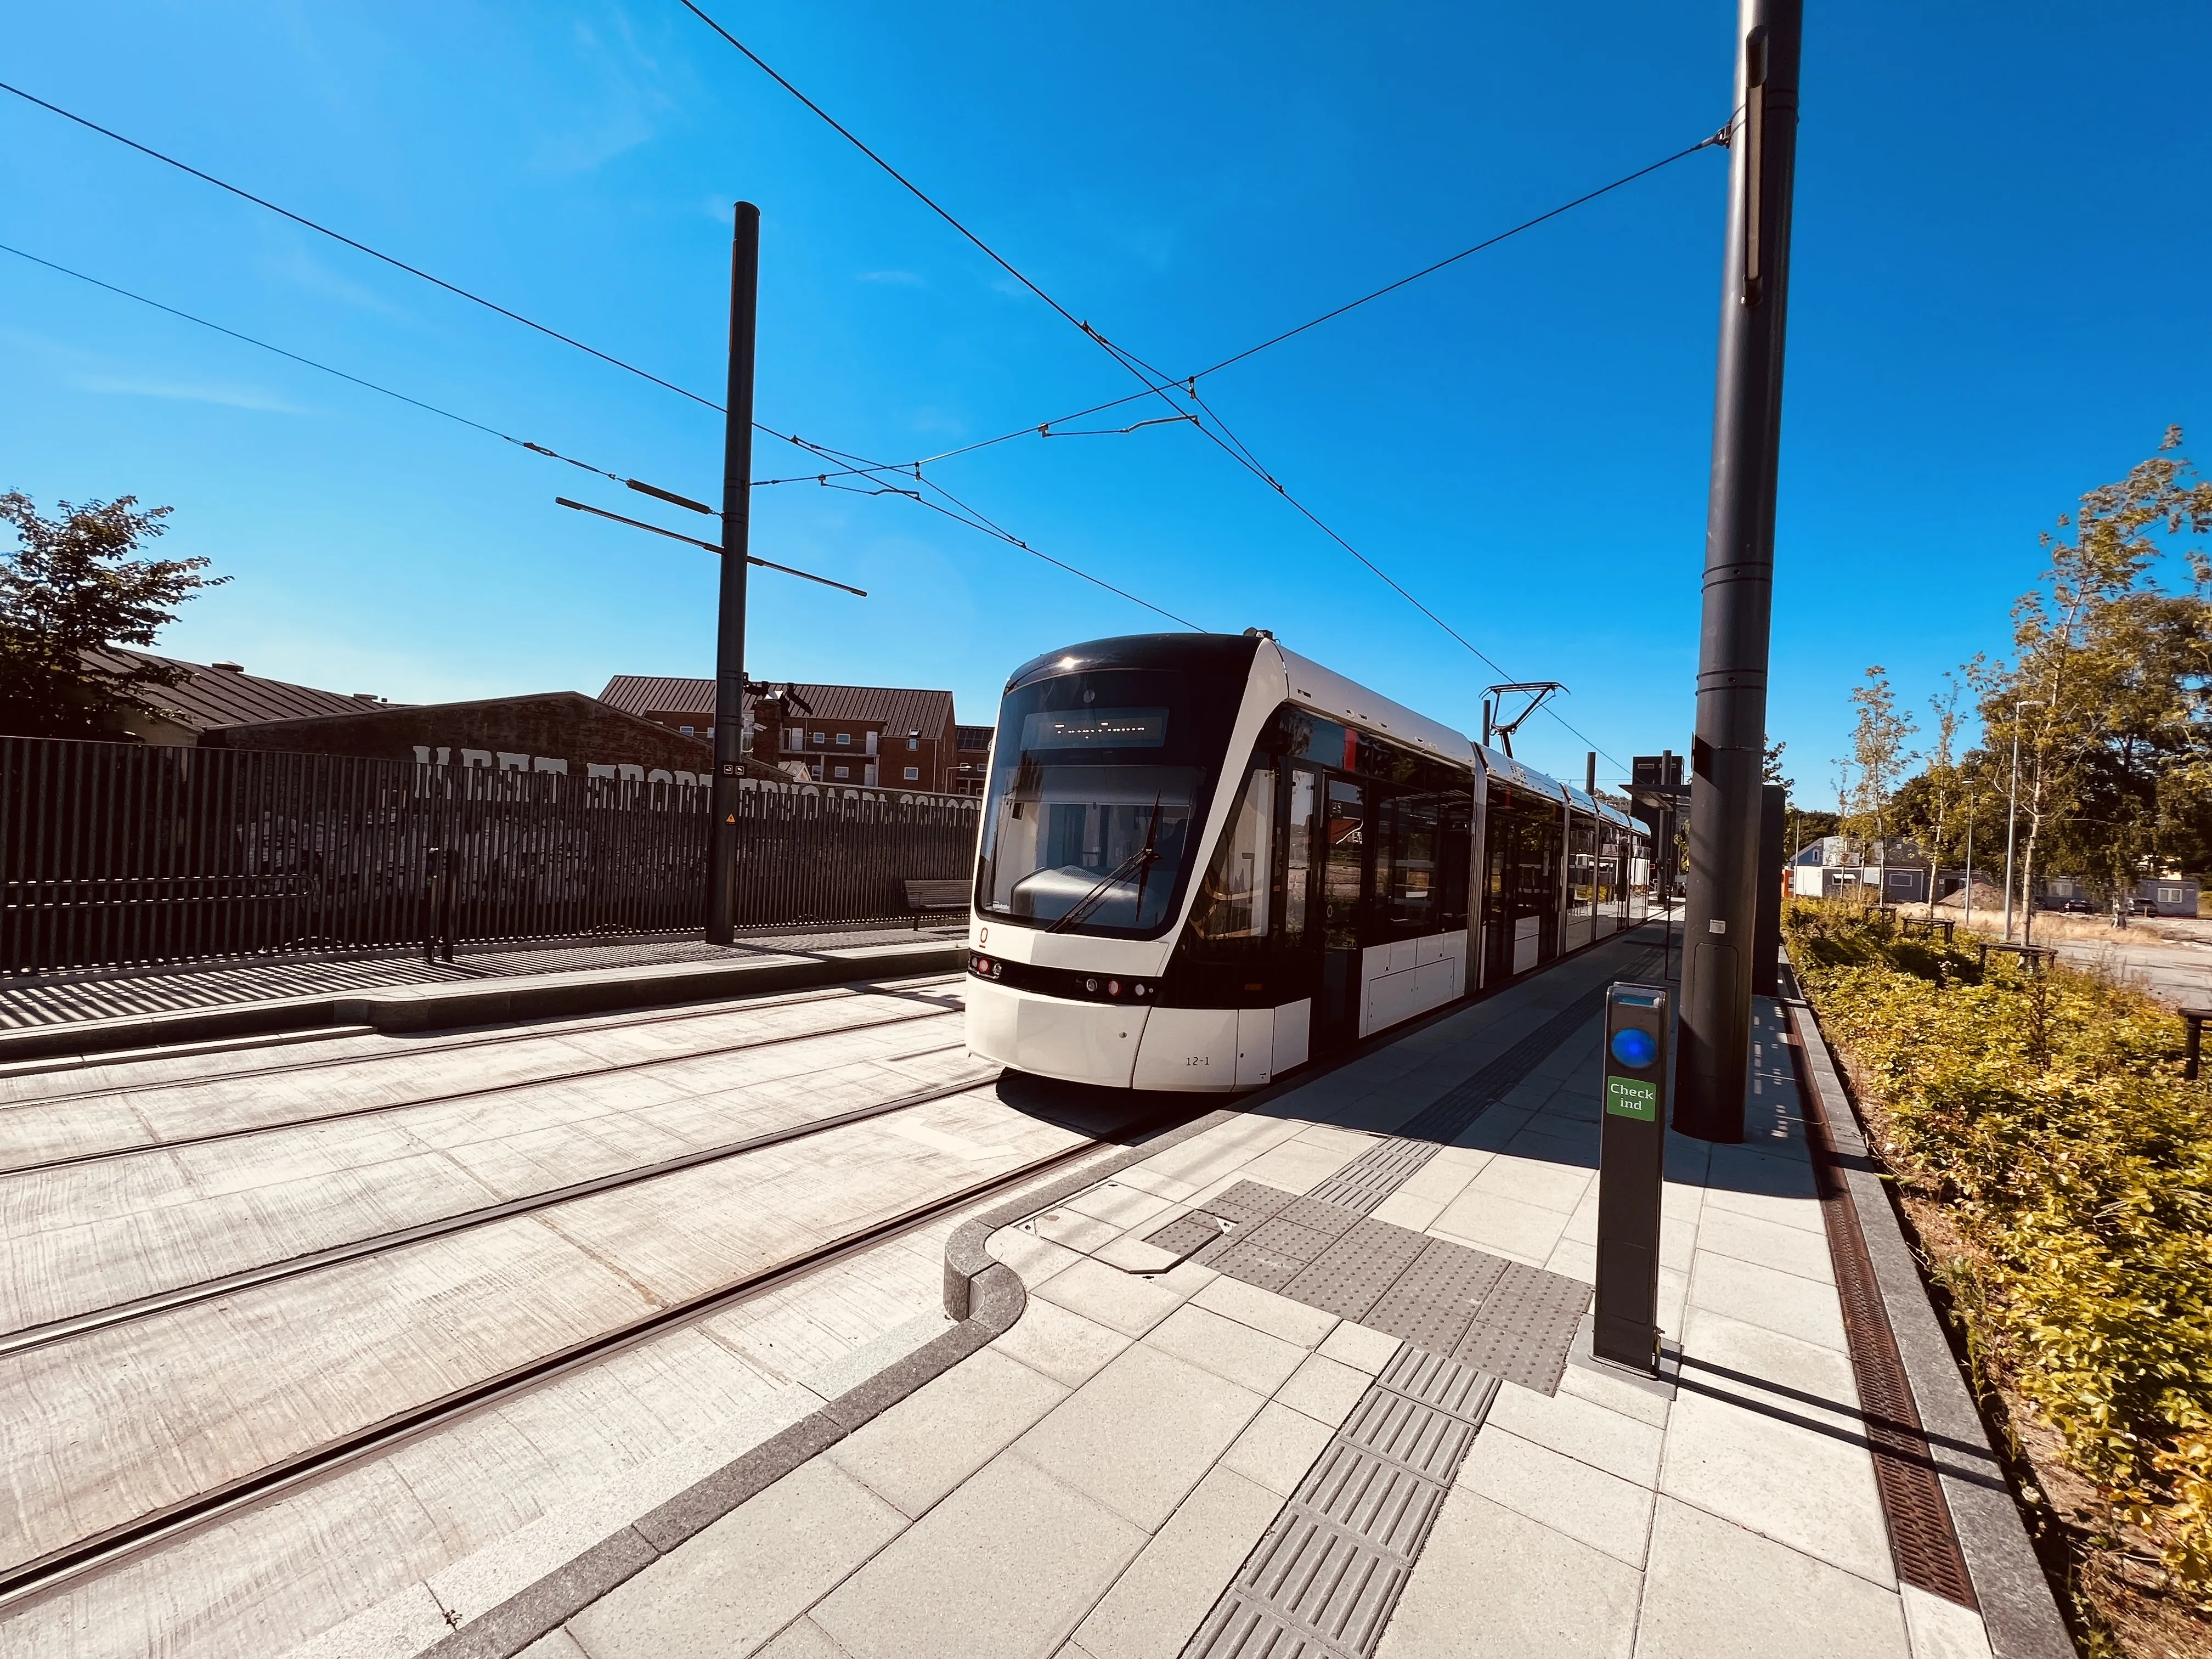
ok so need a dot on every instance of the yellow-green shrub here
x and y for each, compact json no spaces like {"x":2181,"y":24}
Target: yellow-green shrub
{"x":2047,"y":1113}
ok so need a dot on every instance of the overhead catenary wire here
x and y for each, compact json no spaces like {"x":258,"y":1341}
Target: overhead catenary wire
{"x":326,"y":369}
{"x":301,"y":219}
{"x":1158,"y":385}
{"x":977,"y":523}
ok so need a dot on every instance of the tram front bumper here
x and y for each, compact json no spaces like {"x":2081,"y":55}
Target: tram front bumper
{"x":1051,"y":1037}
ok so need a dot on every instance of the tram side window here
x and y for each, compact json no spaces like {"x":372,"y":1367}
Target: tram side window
{"x":1234,"y":902}
{"x":1406,"y":865}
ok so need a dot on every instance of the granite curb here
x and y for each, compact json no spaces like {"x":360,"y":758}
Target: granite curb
{"x":2017,"y":1607}
{"x":406,"y":1009}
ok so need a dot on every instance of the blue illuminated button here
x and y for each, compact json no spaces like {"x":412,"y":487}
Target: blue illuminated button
{"x":1634,"y":1047}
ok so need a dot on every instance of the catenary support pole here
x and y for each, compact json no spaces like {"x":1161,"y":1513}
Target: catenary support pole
{"x":1713,"y":1057}
{"x":737,"y":546}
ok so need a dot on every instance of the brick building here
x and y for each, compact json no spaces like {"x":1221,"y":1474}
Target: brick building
{"x":220,"y":706}
{"x":884,"y":736}
{"x":973,"y":759}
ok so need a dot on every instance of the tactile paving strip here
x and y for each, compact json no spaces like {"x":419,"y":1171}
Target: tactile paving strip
{"x":1434,"y":1300}
{"x":1524,"y":1328}
{"x":1322,"y":1584}
{"x":1498,"y":1317}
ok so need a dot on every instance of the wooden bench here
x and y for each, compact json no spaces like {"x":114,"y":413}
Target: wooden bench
{"x":924,"y":896}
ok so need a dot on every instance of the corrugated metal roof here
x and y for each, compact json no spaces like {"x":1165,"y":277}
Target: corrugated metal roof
{"x":895,"y":708}
{"x":217,"y":696}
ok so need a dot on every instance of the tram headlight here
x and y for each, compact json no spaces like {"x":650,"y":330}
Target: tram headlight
{"x":1113,"y":988}
{"x":1090,"y":984}
{"x":1138,"y":989}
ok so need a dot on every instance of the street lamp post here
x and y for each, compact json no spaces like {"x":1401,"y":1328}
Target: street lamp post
{"x":1712,"y":1056}
{"x":730,"y":615}
{"x":2012,"y":808}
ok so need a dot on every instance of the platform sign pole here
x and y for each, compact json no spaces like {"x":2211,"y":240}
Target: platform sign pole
{"x":1631,"y":1164}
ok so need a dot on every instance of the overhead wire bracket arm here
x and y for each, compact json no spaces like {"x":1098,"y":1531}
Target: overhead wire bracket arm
{"x":711,"y":547}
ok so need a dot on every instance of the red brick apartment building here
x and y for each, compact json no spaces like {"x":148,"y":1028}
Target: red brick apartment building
{"x":884,"y":736}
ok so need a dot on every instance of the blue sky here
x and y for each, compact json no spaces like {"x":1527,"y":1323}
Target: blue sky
{"x":1999,"y":301}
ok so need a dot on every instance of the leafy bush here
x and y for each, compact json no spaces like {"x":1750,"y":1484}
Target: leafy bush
{"x":2047,"y":1113}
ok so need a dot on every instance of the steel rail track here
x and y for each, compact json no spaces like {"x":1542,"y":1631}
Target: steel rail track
{"x":57,"y":1569}
{"x":25,"y":1338}
{"x":547,"y":1030}
{"x":578,"y":1074}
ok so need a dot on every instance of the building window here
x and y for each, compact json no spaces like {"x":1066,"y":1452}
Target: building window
{"x":844,"y":739}
{"x":819,"y":739}
{"x":687,"y":731}
{"x":912,"y":772}
{"x":844,"y":771}
{"x":794,"y":737}
{"x":913,"y":743}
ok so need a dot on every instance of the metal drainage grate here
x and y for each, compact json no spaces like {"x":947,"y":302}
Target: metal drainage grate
{"x":1498,"y":1317}
{"x":1323,"y":1581}
{"x":1920,"y":1535}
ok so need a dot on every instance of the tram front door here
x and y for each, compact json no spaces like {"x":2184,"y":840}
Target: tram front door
{"x":1336,"y":1009}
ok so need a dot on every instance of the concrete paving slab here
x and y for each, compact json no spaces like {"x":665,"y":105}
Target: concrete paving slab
{"x":1575,"y":1499}
{"x":1064,"y":1345}
{"x":1167,"y":1589}
{"x":1323,"y":1389}
{"x":735,"y":1584}
{"x":803,"y":1639}
{"x":1584,"y":1429}
{"x":1107,"y":1296}
{"x":1938,"y":1629}
{"x":1004,"y":1569}
{"x":1263,"y":1310}
{"x":1188,"y":1416}
{"x":1251,"y":1359}
{"x":1811,"y":1488}
{"x":1769,"y":1244}
{"x":1359,"y":1347}
{"x":1120,"y":1203}
{"x":1277,"y":1448}
{"x":1784,"y":1302}
{"x":1714,"y":1590}
{"x":1494,"y":1584}
{"x":937,"y":1437}
{"x":1501,"y":1226}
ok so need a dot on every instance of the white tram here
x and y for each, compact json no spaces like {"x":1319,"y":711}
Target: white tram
{"x":1205,"y":861}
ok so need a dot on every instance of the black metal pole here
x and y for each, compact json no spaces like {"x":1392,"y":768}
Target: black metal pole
{"x":737,"y":546}
{"x":1713,"y":1058}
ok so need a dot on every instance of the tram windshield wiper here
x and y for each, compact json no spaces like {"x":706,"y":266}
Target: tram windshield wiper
{"x":1140,"y":862}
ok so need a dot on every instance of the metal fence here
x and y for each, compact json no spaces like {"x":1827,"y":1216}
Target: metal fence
{"x":116,"y":853}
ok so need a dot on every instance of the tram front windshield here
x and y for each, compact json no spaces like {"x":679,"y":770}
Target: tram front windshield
{"x":1098,"y":786}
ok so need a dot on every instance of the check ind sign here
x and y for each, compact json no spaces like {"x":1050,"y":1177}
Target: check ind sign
{"x":1625,"y":1096}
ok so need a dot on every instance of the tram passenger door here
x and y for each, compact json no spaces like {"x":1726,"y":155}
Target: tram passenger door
{"x":1497,"y":898}
{"x":1343,"y":883}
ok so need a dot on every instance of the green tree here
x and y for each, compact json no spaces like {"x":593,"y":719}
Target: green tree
{"x":74,"y":585}
{"x":1878,"y":756}
{"x":2111,"y":694}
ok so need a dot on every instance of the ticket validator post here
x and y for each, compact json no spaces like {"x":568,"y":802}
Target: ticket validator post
{"x":1632,"y":1163}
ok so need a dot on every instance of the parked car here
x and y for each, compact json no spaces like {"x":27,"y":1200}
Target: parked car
{"x":2079,"y":907}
